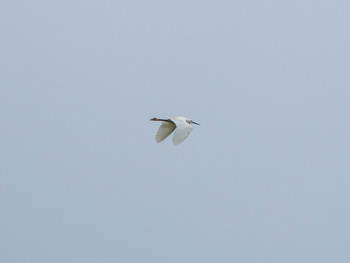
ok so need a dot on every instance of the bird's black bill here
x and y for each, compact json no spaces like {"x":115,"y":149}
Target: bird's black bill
{"x":195,"y":123}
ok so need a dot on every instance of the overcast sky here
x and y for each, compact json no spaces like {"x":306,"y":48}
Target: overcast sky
{"x":266,"y":176}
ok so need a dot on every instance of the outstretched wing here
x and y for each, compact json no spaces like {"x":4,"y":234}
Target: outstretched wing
{"x":165,"y":129}
{"x":181,"y":132}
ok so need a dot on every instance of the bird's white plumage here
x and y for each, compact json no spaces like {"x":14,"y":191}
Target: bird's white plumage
{"x":165,"y":129}
{"x":180,"y":125}
{"x":183,"y":129}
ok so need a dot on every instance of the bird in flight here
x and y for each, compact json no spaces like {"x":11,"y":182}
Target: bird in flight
{"x":181,"y":126}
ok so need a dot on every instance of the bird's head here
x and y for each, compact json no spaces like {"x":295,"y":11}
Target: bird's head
{"x":191,"y":121}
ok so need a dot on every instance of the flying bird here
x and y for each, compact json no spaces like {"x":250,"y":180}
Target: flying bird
{"x":181,"y":126}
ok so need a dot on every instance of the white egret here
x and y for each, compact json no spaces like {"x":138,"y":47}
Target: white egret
{"x":180,"y":125}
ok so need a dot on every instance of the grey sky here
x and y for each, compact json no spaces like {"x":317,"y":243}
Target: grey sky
{"x":265,"y":178}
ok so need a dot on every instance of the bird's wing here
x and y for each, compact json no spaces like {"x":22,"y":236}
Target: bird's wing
{"x":181,"y":132}
{"x":165,"y":129}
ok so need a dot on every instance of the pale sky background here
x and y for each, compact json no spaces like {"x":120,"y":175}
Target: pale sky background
{"x":265,"y":178}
